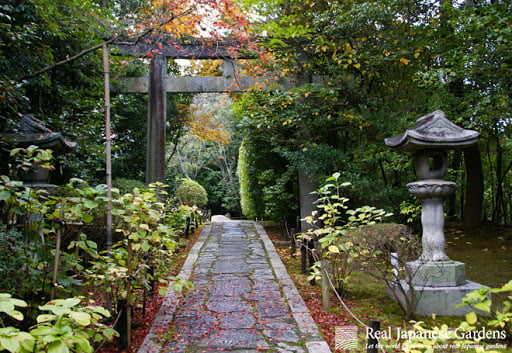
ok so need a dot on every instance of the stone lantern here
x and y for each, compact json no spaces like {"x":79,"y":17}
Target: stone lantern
{"x":31,"y":131}
{"x":439,"y":283}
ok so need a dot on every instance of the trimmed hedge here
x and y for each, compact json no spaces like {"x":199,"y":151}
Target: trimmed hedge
{"x":191,"y":193}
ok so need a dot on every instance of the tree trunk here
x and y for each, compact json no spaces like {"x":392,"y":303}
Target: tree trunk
{"x":452,"y":199}
{"x":499,"y":213}
{"x":475,"y":188}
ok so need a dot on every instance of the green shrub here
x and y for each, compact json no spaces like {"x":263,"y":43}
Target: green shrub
{"x":267,"y":187}
{"x":335,"y":225}
{"x":382,"y":239}
{"x":127,"y":185}
{"x":248,"y":201}
{"x":18,"y":269}
{"x":191,"y":193}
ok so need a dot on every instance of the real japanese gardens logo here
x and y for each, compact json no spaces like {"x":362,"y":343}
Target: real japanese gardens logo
{"x":346,"y":339}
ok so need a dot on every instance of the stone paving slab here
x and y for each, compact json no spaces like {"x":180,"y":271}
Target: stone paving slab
{"x":244,"y":300}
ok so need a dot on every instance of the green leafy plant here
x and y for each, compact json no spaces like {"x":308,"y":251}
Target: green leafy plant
{"x":411,"y":211}
{"x":68,"y":326}
{"x":19,"y":271}
{"x":147,"y":228}
{"x":22,"y":206}
{"x":127,"y":185}
{"x":33,"y":223}
{"x":481,"y":300}
{"x":32,"y":163}
{"x":331,"y":225}
{"x":147,"y":241}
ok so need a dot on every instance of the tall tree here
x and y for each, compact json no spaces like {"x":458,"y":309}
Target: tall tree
{"x":392,"y":61}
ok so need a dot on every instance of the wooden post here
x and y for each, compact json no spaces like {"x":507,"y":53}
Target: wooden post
{"x":155,"y":157}
{"x":326,"y":286}
{"x":303,"y":255}
{"x":56,"y":258}
{"x":372,"y":346}
{"x":108,"y":147}
{"x":311,"y":257}
{"x":293,"y":245}
{"x":187,"y":226}
{"x":122,"y":326}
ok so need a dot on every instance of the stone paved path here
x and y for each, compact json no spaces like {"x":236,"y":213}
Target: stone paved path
{"x":244,"y":301}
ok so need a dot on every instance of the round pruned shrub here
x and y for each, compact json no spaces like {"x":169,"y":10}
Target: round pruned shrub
{"x":191,"y":193}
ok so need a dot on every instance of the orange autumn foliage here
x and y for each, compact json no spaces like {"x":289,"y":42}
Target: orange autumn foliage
{"x":203,"y":126}
{"x":201,"y":18}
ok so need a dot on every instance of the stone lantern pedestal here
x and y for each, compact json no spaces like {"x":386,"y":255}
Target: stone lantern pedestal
{"x":438,"y":283}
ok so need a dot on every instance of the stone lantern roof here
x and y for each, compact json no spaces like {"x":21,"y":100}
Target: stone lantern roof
{"x":433,"y":131}
{"x":31,"y":131}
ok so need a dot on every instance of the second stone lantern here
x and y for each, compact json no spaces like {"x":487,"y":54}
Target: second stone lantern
{"x":439,"y":283}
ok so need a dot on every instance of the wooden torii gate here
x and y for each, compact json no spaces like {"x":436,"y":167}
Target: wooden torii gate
{"x":158,"y":84}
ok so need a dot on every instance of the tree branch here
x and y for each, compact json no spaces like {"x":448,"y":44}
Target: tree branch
{"x":68,"y":59}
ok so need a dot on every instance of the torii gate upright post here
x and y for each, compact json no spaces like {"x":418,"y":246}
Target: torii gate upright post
{"x":155,"y":155}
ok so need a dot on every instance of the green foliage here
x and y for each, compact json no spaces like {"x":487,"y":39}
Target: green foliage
{"x":16,"y":257}
{"x":208,"y":152}
{"x":384,"y":64}
{"x":147,"y":225}
{"x":279,"y":198}
{"x":191,"y":193}
{"x":42,"y":34}
{"x":481,"y":300}
{"x":223,"y":192}
{"x":311,"y":128}
{"x":8,"y":306}
{"x":127,"y":185}
{"x":148,"y":239}
{"x":68,"y":327}
{"x":331,"y":226}
{"x":411,"y":211}
{"x":30,"y":158}
{"x":36,"y":35}
{"x":31,"y":222}
{"x":80,"y":201}
{"x":267,"y":188}
{"x":245,"y":171}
